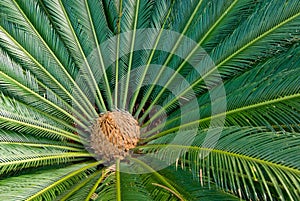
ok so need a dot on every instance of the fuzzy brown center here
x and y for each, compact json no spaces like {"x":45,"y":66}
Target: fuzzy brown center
{"x":114,"y":134}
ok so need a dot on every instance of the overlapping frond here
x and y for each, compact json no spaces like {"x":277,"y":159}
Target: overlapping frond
{"x":214,"y":85}
{"x":11,"y":137}
{"x":38,"y":48}
{"x":44,"y":184}
{"x":252,"y":163}
{"x":266,"y":95}
{"x":245,"y":46}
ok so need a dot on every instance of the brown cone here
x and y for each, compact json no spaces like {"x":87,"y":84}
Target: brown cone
{"x":114,"y":134}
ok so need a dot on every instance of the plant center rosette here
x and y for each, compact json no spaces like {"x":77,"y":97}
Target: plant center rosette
{"x":113,"y":134}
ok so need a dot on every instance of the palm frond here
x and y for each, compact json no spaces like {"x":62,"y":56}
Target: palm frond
{"x":101,"y":33}
{"x":189,"y":184}
{"x":15,"y":17}
{"x":11,"y":137}
{"x":220,"y":10}
{"x":171,"y":53}
{"x":17,"y":157}
{"x":12,"y":114}
{"x":44,"y":184}
{"x":133,"y":185}
{"x":107,"y":189}
{"x":15,"y":86}
{"x":81,"y":190}
{"x":139,"y":19}
{"x":268,"y":91}
{"x":82,"y":27}
{"x":164,"y":181}
{"x":249,"y":162}
{"x":159,"y":19}
{"x":59,"y":18}
{"x":246,"y":42}
{"x":213,"y":85}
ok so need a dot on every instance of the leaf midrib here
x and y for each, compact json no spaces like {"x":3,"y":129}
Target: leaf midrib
{"x":85,"y":61}
{"x":51,"y":156}
{"x":228,"y":58}
{"x":31,"y":144}
{"x":135,"y":95}
{"x":166,"y":62}
{"x":67,"y":176}
{"x":73,"y":137}
{"x":219,"y":151}
{"x":43,"y":69}
{"x":54,"y":56}
{"x":191,"y":54}
{"x":137,"y":7}
{"x":260,"y":104}
{"x":99,"y":53}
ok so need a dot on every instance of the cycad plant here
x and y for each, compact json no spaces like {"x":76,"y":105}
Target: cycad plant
{"x":149,"y":100}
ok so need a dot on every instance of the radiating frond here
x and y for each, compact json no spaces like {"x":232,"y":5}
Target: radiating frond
{"x":10,"y":137}
{"x":246,"y":42}
{"x":256,"y":98}
{"x":81,"y":190}
{"x":17,"y":157}
{"x":252,"y":163}
{"x":212,"y":87}
{"x":44,"y":184}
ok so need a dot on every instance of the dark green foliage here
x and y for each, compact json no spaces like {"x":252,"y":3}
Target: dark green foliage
{"x":230,"y":132}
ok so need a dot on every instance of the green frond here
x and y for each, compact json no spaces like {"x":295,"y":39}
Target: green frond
{"x":107,"y":189}
{"x":189,"y":184}
{"x":24,"y":30}
{"x":213,"y":85}
{"x":130,"y":188}
{"x":10,"y":137}
{"x":138,"y":186}
{"x":159,"y":13}
{"x":167,"y":185}
{"x":81,"y":190}
{"x":258,"y":97}
{"x":68,"y":33}
{"x":44,"y":184}
{"x":43,"y":26}
{"x":147,"y":57}
{"x":13,"y":70}
{"x":81,"y":100}
{"x":220,"y":11}
{"x":209,"y":10}
{"x":15,"y":117}
{"x":22,"y":85}
{"x":17,"y":88}
{"x":165,"y":62}
{"x":248,"y":162}
{"x":89,"y":40}
{"x":138,"y":19}
{"x":230,"y":61}
{"x":82,"y":27}
{"x":101,"y":33}
{"x":16,"y":157}
{"x":219,"y":19}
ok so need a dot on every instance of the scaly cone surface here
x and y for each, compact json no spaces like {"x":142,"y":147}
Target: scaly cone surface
{"x":114,"y":134}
